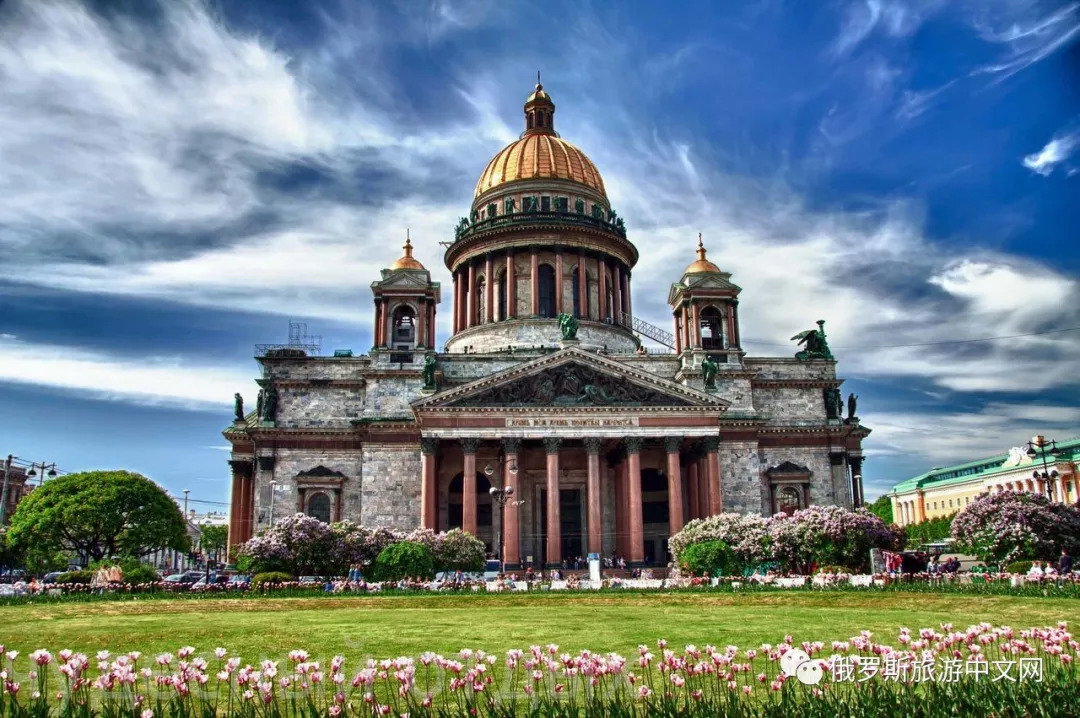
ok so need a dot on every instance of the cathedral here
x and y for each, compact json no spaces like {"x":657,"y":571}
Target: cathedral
{"x":543,"y":425}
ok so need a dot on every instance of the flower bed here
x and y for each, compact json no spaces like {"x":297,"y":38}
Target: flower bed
{"x":1001,"y":584}
{"x":980,"y":670}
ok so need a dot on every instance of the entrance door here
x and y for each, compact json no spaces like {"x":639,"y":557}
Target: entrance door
{"x":573,"y":539}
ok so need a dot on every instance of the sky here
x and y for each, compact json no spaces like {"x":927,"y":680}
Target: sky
{"x":179,"y":180}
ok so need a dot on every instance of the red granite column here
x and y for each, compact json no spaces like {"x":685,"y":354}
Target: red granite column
{"x":687,"y":343}
{"x":554,"y":521}
{"x":421,"y":326}
{"x":511,"y":287}
{"x":617,"y":311}
{"x":489,"y":291}
{"x":596,"y":526}
{"x":375,"y":331}
{"x":558,"y":282}
{"x":672,"y":445}
{"x":601,"y":283}
{"x":716,"y":491}
{"x":431,"y":325}
{"x":429,"y":506}
{"x":583,"y":287}
{"x":691,"y":481}
{"x":637,"y":528}
{"x":455,"y":308}
{"x":511,"y":531}
{"x":470,"y":318}
{"x":620,"y":507}
{"x":678,"y":333}
{"x":534,"y":300}
{"x":468,"y":485}
{"x":695,"y":329}
{"x":236,"y":505}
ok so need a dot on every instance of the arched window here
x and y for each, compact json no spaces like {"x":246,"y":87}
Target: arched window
{"x":610,"y":296}
{"x":318,"y":507}
{"x":788,"y":500}
{"x":481,"y":299}
{"x":501,"y":290}
{"x":547,"y":290}
{"x":404,"y":327}
{"x":712,"y":328}
{"x":576,"y":289}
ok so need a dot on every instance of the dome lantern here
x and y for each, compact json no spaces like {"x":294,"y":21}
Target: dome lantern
{"x":539,"y":111}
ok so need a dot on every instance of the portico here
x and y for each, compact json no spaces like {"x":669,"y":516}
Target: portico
{"x":599,"y":462}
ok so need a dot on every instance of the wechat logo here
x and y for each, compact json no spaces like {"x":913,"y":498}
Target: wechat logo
{"x":797,"y":664}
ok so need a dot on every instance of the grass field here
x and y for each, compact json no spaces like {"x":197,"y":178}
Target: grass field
{"x":404,"y":625}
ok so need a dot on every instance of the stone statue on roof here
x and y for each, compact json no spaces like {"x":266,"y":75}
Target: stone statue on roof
{"x":709,"y":367}
{"x":569,"y":326}
{"x":238,"y":406}
{"x":430,"y":364}
{"x":815,"y":344}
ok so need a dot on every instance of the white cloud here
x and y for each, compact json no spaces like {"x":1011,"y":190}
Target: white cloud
{"x":1052,"y":154}
{"x":1027,"y":35}
{"x":171,"y":381}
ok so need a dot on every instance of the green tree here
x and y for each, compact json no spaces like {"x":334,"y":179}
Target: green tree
{"x":97,"y":514}
{"x":214,"y":539}
{"x":404,"y":559}
{"x":882,"y":508}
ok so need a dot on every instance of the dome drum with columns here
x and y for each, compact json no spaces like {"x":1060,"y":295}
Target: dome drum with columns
{"x":608,"y":448}
{"x":541,"y":240}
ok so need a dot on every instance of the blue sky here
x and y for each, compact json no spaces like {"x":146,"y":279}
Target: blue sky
{"x":180,"y":179}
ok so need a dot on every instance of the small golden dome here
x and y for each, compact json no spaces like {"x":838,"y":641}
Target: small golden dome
{"x":701,"y":265}
{"x":538,"y":94}
{"x":407,"y":261}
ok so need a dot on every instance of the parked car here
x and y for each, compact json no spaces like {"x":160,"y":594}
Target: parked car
{"x":312,"y":579}
{"x":51,"y":577}
{"x":184,"y":578}
{"x":239,"y":580}
{"x":216,"y":579}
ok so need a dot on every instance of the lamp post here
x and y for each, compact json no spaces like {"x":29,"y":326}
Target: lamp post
{"x":1040,"y":445}
{"x":186,"y":492}
{"x":501,"y":497}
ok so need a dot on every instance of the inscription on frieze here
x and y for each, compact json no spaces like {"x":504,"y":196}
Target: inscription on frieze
{"x":544,"y":422}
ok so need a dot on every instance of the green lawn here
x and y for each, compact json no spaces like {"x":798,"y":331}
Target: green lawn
{"x":403,"y":625}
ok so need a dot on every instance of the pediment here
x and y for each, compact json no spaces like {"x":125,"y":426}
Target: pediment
{"x":567,"y":379}
{"x":789,"y":468}
{"x":708,"y":281}
{"x":320,"y":472}
{"x":404,"y":279}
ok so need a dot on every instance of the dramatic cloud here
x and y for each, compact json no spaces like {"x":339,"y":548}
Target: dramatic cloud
{"x":155,"y":381}
{"x":1054,"y":153}
{"x":1027,"y":35}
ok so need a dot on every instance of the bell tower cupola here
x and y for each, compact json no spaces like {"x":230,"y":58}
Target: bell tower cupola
{"x":705,"y":310}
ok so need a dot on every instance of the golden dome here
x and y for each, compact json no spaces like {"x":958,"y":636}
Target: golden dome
{"x":540,"y":156}
{"x":540,"y":153}
{"x":407,"y":261}
{"x":701,"y":265}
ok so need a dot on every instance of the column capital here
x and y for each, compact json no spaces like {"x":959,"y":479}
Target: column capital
{"x":429,"y":445}
{"x":552,"y":444}
{"x":632,"y":444}
{"x":673,"y":444}
{"x":511,"y":445}
{"x":593,"y":444}
{"x":711,"y":443}
{"x":469,"y":446}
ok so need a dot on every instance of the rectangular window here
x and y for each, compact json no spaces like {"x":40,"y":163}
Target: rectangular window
{"x":545,"y":204}
{"x":562,"y":204}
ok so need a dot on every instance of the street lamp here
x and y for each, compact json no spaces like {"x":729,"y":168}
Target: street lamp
{"x":1039,"y":445}
{"x":489,"y":470}
{"x":273,"y":485}
{"x":35,"y":466}
{"x":502,"y":497}
{"x":186,"y":492}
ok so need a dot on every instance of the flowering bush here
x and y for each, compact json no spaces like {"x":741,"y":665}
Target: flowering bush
{"x":302,"y":545}
{"x":934,"y":671}
{"x":404,"y":559}
{"x":819,"y":534}
{"x":1009,"y":525}
{"x":746,"y":535}
{"x":707,"y":558}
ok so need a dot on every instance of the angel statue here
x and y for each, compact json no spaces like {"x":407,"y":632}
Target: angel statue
{"x":708,"y":372}
{"x":430,"y":365}
{"x":816,"y":346}
{"x":238,"y":406}
{"x":851,"y":403}
{"x":569,"y":326}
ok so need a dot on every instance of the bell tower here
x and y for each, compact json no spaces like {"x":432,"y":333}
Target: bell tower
{"x":405,"y":300}
{"x":705,"y":311}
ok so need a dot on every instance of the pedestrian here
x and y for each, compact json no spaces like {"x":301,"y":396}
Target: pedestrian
{"x":1064,"y":563}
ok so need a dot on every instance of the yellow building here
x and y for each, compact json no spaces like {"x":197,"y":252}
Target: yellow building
{"x":944,"y":491}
